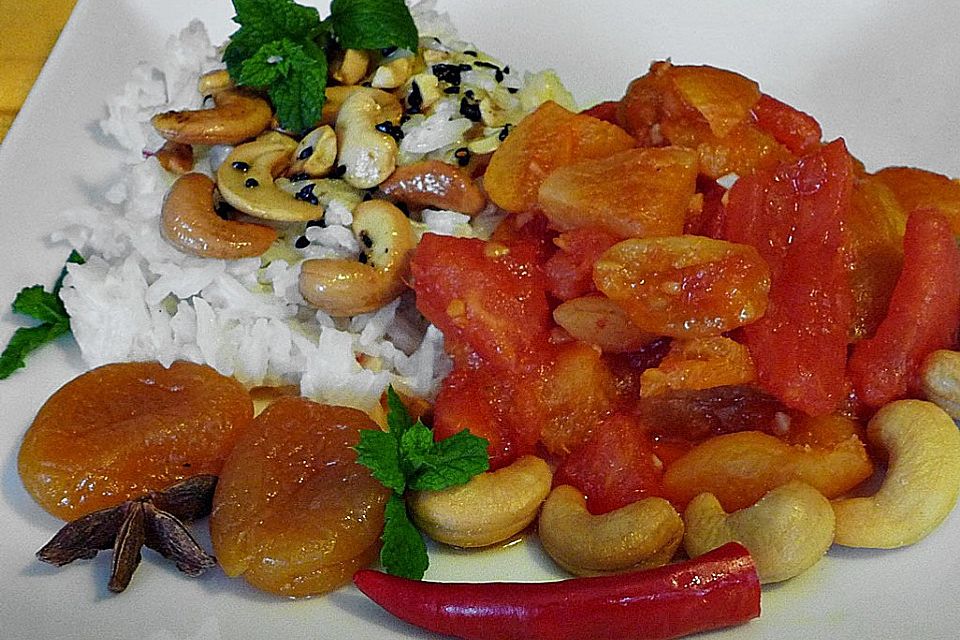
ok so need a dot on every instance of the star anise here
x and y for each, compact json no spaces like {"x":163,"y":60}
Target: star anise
{"x":156,"y":520}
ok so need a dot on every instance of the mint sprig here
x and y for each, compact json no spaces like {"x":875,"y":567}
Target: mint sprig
{"x":406,"y":457}
{"x":283,"y":48}
{"x":45,"y":306}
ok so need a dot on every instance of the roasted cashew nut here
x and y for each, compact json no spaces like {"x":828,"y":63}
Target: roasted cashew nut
{"x":338,"y":94}
{"x":433,"y":183}
{"x":921,"y":484}
{"x":787,"y":531}
{"x":246,"y":180}
{"x":367,"y":155}
{"x":940,"y":380}
{"x":490,"y":508}
{"x":190,"y":223}
{"x":351,"y":67}
{"x":175,"y":157}
{"x":237,"y":116}
{"x":641,"y":535}
{"x":215,"y":81}
{"x":347,"y":287}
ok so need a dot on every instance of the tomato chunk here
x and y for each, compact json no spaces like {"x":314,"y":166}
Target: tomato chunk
{"x":490,"y":297}
{"x":793,"y":215}
{"x":615,"y":467}
{"x":570,"y":270}
{"x":923,"y":316}
{"x":792,"y":128}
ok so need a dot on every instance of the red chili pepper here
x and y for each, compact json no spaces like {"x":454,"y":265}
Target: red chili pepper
{"x":718,"y":589}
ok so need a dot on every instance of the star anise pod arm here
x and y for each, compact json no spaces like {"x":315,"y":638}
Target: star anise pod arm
{"x":157,"y":520}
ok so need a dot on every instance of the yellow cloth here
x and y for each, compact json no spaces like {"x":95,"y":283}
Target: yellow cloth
{"x":28,"y":31}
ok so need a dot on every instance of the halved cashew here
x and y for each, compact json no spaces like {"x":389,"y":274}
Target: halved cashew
{"x":245,"y":180}
{"x":940,"y":380}
{"x":640,"y":535}
{"x":346,"y":287}
{"x":350,"y":67}
{"x":599,"y":320}
{"x":189,"y":222}
{"x":921,"y":484}
{"x":175,"y":157}
{"x":433,"y":183}
{"x":237,"y":116}
{"x":787,"y":531}
{"x":316,"y":153}
{"x":367,"y":155}
{"x":490,"y":508}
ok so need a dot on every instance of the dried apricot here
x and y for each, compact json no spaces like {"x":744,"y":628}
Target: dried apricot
{"x":294,"y":513}
{"x":685,"y":286}
{"x":121,"y":430}
{"x":631,"y":194}
{"x":919,"y":189}
{"x":548,"y":138}
{"x":700,"y":363}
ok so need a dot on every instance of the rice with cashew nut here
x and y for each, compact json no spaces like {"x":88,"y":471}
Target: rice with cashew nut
{"x":140,"y":297}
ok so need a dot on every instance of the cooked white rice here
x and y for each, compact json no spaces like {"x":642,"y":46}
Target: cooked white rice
{"x":139,"y":298}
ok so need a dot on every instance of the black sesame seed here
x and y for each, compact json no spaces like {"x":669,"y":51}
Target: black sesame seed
{"x":470,"y":52}
{"x":506,"y":69}
{"x":390,"y":129}
{"x":251,"y":183}
{"x":512,"y":89}
{"x":338,"y":171}
{"x":366,"y":239}
{"x":241,"y":166}
{"x":470,"y":109}
{"x":306,"y":153}
{"x":299,"y":177}
{"x":452,"y":89}
{"x":415,"y":99}
{"x":504,"y":132}
{"x":363,"y":257}
{"x":301,"y":242}
{"x":463,"y":156}
{"x":306,"y":194}
{"x":449,"y":73}
{"x":319,"y":222}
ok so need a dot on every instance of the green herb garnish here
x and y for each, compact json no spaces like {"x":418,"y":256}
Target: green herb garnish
{"x":405,"y":457}
{"x":283,"y":48}
{"x":42,"y":305}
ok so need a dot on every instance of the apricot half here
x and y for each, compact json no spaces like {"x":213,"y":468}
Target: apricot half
{"x":294,"y":513}
{"x":122,"y":430}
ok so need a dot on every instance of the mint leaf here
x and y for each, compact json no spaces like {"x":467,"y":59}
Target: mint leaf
{"x":295,"y":76}
{"x":39,"y":304}
{"x":398,"y":418}
{"x":26,"y":340}
{"x":379,"y":452}
{"x":373,"y":24}
{"x":73,"y":258}
{"x":452,"y":462}
{"x":416,"y":448}
{"x":404,"y":552}
{"x":264,"y":21}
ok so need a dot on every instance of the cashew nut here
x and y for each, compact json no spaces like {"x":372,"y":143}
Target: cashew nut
{"x":345,"y":287}
{"x":175,"y":157}
{"x":433,"y":183}
{"x":600,"y":321}
{"x":490,"y":508}
{"x":940,"y":380}
{"x":393,"y":73}
{"x":189,"y":222}
{"x":351,"y":67}
{"x":316,"y":153}
{"x":921,"y":484}
{"x":338,"y":94}
{"x":213,"y":82}
{"x":640,"y":535}
{"x":246,"y":180}
{"x":787,"y":531}
{"x":367,"y":155}
{"x":237,"y":116}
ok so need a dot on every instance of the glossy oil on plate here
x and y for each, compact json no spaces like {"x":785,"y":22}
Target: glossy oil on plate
{"x":883,"y":75}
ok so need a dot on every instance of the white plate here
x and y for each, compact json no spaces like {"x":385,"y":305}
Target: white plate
{"x":882,"y":74}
